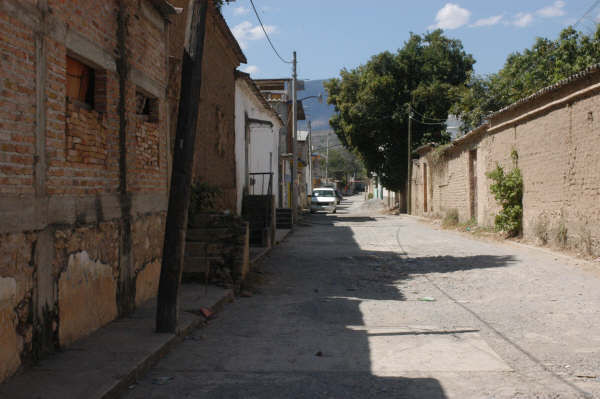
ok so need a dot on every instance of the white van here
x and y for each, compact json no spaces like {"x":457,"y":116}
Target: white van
{"x":323,"y":199}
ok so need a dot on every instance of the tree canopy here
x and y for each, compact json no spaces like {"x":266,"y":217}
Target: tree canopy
{"x":545,"y":63}
{"x":343,"y":164}
{"x":372,"y":101}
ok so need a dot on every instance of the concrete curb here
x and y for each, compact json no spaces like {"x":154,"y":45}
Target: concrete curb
{"x":261,"y":255}
{"x":188,"y":323}
{"x":104,"y":364}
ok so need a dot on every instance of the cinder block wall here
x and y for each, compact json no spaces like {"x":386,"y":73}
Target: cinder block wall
{"x":83,"y":189}
{"x":556,"y":134}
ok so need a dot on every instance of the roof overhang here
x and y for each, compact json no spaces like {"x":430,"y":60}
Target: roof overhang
{"x":165,"y":8}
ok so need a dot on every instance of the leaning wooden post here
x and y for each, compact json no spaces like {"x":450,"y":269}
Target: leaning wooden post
{"x":181,"y":178}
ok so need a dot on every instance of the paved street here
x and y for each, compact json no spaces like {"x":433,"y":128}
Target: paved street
{"x":363,"y":305}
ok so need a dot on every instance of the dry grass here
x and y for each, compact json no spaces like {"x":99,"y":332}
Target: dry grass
{"x":540,"y":229}
{"x":450,"y":219}
{"x":561,"y":235}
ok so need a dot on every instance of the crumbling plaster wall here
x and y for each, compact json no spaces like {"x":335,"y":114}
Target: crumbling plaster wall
{"x":83,"y":191}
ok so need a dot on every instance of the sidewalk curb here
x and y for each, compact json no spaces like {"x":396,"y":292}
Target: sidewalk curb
{"x":262,"y":254}
{"x":106,"y":363}
{"x":187,"y":326}
{"x":257,"y":258}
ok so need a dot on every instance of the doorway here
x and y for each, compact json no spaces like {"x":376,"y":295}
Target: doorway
{"x":473,"y":183}
{"x":425,"y":207}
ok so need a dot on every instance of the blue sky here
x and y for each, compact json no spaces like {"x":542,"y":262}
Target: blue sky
{"x":332,"y":34}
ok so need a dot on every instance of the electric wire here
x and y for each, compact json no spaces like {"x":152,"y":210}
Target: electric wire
{"x":586,"y":13}
{"x":428,"y":123}
{"x":426,"y":117}
{"x":267,"y":36}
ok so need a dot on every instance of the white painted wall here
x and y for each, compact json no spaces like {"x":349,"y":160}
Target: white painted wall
{"x":263,"y":139}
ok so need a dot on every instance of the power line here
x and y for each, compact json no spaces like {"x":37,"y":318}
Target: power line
{"x":427,"y":123}
{"x":426,"y":117}
{"x":586,"y":13}
{"x":267,"y":36}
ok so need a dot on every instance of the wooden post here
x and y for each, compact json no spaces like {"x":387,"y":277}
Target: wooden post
{"x":181,"y":179}
{"x":409,"y":166}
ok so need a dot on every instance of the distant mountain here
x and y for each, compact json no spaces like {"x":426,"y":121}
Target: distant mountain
{"x":319,"y":114}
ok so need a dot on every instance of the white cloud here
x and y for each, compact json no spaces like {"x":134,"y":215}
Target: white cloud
{"x":241,"y":10}
{"x":597,"y":18}
{"x":555,"y":10}
{"x":522,"y":20}
{"x":451,"y":16}
{"x":251,"y":69}
{"x":245,"y":32}
{"x":488,"y":21}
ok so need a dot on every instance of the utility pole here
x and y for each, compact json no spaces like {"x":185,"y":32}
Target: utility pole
{"x":294,"y":136}
{"x":310,"y":170}
{"x":409,"y":168}
{"x":327,"y":158}
{"x":167,"y":310}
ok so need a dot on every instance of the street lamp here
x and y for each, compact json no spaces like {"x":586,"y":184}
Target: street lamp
{"x":319,"y":98}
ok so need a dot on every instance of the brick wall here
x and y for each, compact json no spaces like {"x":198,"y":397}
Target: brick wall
{"x":17,"y":103}
{"x":214,"y":161}
{"x":83,"y":187}
{"x":556,"y":134}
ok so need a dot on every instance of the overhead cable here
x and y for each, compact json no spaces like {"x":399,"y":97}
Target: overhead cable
{"x":267,"y":35}
{"x":426,"y":117}
{"x":427,"y":123}
{"x":586,"y":13}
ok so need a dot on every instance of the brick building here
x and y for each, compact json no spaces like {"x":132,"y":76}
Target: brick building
{"x":556,"y":135}
{"x":214,"y":161}
{"x":83,"y":167}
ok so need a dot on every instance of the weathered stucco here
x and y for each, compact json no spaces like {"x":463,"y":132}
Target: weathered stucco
{"x":146,"y":282}
{"x":11,"y":344}
{"x":87,"y":297}
{"x":83,"y":187}
{"x":556,"y":136}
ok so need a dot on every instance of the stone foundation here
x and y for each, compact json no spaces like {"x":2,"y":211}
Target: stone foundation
{"x":217,"y":249}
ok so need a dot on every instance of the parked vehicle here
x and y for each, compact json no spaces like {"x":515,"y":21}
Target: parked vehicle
{"x":323,"y":199}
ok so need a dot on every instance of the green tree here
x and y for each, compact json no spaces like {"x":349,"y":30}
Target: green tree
{"x":343,"y":164}
{"x":545,"y":63}
{"x":372,"y":101}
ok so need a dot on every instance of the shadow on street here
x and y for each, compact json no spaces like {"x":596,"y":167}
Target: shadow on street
{"x":304,"y":334}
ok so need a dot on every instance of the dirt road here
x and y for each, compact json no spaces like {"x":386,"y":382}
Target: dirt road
{"x":362,"y":305}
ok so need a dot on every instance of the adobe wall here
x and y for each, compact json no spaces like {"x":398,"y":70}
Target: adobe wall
{"x":83,"y":189}
{"x":560,"y":164}
{"x":556,"y":135}
{"x":447,"y":184}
